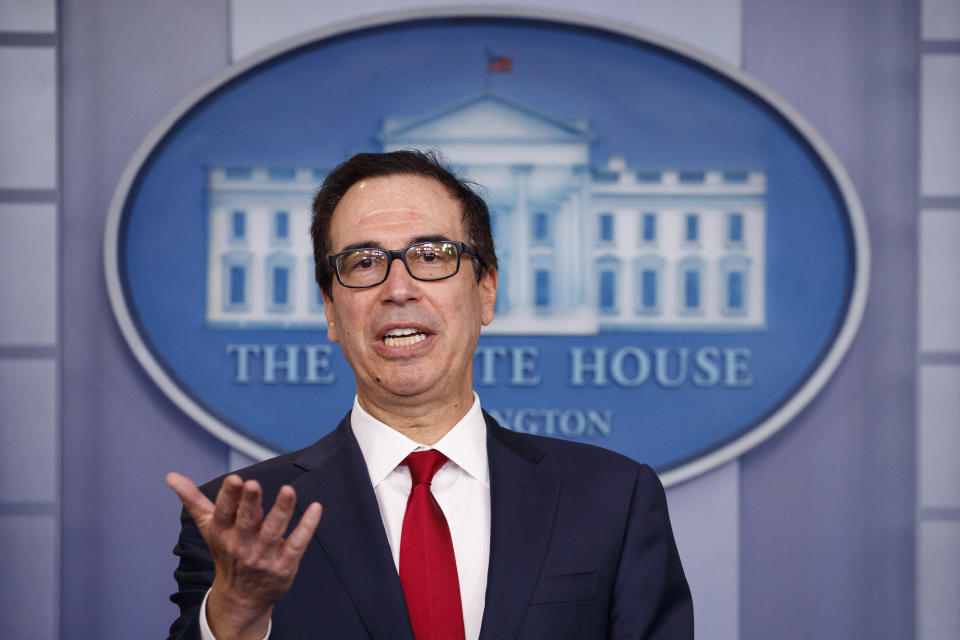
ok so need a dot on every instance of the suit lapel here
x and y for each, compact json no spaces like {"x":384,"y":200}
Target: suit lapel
{"x":523,"y":500}
{"x":351,"y":531}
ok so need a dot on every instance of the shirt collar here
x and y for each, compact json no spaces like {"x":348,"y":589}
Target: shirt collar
{"x":384,"y":448}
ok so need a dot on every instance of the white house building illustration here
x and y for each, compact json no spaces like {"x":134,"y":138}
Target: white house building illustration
{"x":583,"y":249}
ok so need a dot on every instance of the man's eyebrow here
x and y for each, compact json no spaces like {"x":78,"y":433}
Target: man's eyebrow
{"x":430,"y":238}
{"x":372,"y":244}
{"x":368,"y":244}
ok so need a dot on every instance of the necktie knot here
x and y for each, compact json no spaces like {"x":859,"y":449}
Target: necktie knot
{"x":424,"y":464}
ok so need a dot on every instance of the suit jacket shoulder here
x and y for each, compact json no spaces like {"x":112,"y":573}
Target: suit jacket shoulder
{"x":560,"y":453}
{"x":285,"y":468}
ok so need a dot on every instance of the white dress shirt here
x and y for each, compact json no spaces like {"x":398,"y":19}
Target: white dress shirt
{"x":461,"y":487}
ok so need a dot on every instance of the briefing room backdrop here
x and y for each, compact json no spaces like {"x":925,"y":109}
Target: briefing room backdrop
{"x":844,"y":524}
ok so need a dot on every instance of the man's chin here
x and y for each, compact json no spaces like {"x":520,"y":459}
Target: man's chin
{"x":404,"y":386}
{"x":413,"y":390}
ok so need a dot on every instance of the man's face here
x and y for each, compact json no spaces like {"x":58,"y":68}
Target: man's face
{"x":440,"y":320}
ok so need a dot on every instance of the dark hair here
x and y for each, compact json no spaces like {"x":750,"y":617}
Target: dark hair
{"x":476,"y":217}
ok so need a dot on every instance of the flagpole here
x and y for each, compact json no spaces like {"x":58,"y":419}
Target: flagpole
{"x":486,"y":69}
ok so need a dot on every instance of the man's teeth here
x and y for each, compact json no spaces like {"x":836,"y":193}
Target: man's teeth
{"x":403,"y":337}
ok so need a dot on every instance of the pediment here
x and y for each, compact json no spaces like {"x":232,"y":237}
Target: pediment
{"x":486,"y":117}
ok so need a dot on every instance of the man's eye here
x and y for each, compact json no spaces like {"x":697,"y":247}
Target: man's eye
{"x":364,"y":263}
{"x":431,"y":253}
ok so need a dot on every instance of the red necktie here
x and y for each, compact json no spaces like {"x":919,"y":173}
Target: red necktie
{"x":428,"y":569}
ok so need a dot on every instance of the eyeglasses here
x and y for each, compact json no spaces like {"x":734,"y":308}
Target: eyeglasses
{"x":368,"y":267}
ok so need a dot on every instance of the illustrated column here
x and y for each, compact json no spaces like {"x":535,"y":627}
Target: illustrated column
{"x":520,"y":279}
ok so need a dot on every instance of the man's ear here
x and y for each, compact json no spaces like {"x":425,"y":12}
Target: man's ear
{"x":328,"y":311}
{"x":488,"y":295}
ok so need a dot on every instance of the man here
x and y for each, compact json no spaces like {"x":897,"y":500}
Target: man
{"x":506,"y":536}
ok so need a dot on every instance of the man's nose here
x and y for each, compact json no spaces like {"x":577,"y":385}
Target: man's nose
{"x":400,"y":286}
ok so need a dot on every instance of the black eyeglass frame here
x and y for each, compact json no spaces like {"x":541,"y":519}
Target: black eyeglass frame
{"x":401,"y":255}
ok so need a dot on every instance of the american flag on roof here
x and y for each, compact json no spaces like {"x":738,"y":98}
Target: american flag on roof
{"x":497,"y":63}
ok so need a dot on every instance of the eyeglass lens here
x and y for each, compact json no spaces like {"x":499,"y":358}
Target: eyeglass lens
{"x":425,"y":261}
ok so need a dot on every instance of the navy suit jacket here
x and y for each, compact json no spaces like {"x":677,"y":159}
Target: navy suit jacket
{"x":580,"y":547}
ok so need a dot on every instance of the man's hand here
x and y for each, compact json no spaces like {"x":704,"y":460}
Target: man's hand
{"x":254,"y":565}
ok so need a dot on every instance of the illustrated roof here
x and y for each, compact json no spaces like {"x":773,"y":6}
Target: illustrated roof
{"x":485,"y":117}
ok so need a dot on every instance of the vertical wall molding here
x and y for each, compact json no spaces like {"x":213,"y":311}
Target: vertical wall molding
{"x":938,"y":314}
{"x":30,"y":332}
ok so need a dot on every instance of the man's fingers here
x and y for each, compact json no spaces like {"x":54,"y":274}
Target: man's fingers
{"x":250,"y":511}
{"x":197,"y":505}
{"x":298,"y":539}
{"x":276,"y":521}
{"x":239,"y":506}
{"x":228,"y":498}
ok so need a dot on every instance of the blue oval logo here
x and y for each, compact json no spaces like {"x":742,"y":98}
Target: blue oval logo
{"x":683,"y":260}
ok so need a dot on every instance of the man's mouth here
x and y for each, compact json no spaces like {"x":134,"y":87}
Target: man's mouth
{"x":403,"y":337}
